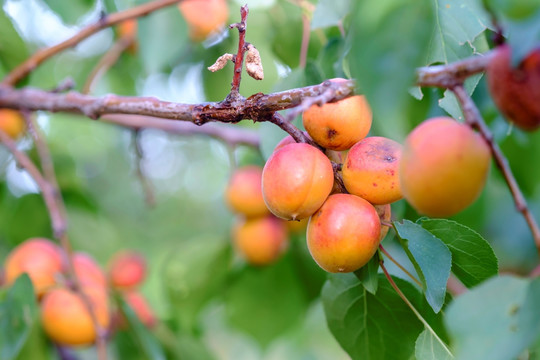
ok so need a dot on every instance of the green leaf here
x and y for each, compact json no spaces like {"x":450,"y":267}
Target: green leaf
{"x":143,"y":338}
{"x":523,"y":36}
{"x":329,"y":13}
{"x":72,"y":12}
{"x":496,"y":320}
{"x":458,"y":24}
{"x":13,"y":50}
{"x":431,"y":259}
{"x":266,"y":302}
{"x":18,"y":313}
{"x":513,"y":9}
{"x":473,"y":259}
{"x":383,"y":58}
{"x":368,"y":326}
{"x":429,"y":348}
{"x":369,"y":275}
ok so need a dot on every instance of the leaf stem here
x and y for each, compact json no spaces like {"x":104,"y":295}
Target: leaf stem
{"x":413,"y":278}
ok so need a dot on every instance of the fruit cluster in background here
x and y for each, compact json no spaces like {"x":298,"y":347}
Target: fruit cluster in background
{"x":65,"y":316}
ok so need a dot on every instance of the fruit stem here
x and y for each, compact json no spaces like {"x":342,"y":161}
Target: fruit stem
{"x":239,"y":61}
{"x":474,"y":119}
{"x":413,"y":278}
{"x":411,"y":306}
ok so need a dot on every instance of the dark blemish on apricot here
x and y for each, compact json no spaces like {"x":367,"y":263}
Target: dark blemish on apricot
{"x":331,"y":133}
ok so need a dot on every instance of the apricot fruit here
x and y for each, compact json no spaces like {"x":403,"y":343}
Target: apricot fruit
{"x":127,"y":269}
{"x":128,"y":30}
{"x":244,"y":192}
{"x":66,"y":319}
{"x":204,"y":17}
{"x":297,"y":179}
{"x":40,"y":258}
{"x":339,"y":125}
{"x":516,"y":91}
{"x":444,"y":167}
{"x":140,"y":307}
{"x":371,"y":170}
{"x":261,"y":241}
{"x":12,"y":123}
{"x":344,"y":234}
{"x":88,"y":271}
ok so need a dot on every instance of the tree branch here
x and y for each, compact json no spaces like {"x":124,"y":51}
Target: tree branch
{"x":21,"y":71}
{"x":239,"y":61}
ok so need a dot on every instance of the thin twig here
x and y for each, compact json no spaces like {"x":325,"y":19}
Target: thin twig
{"x":306,"y":32}
{"x":475,"y":120}
{"x":108,"y":60}
{"x":411,"y":306}
{"x":413,"y":278}
{"x":139,"y":157}
{"x":21,"y":71}
{"x":239,"y":61}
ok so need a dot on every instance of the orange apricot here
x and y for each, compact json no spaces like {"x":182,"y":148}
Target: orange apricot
{"x":344,"y":234}
{"x":12,"y":122}
{"x":261,"y":241}
{"x":204,"y":17}
{"x":140,"y":307}
{"x":444,"y":167}
{"x":339,"y":125}
{"x":244,"y":192}
{"x":371,"y":170}
{"x":297,"y":178}
{"x":128,"y":30}
{"x":88,"y":271}
{"x":127,"y":269}
{"x":40,"y":258}
{"x":66,"y":319}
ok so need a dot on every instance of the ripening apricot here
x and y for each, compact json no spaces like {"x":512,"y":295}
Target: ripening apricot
{"x":128,"y":30}
{"x":344,"y":234}
{"x":297,"y":178}
{"x":204,"y":17}
{"x":371,"y":170}
{"x":12,"y":122}
{"x":444,"y":167}
{"x":261,"y":241}
{"x":244,"y":192}
{"x":88,"y":271}
{"x":385,"y":213}
{"x":339,"y":125}
{"x":66,"y":319}
{"x":40,"y":258}
{"x":140,"y":307}
{"x":127,"y":269}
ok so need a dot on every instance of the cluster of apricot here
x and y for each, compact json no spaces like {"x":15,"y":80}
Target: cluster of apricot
{"x":65,"y":316}
{"x":441,"y":170}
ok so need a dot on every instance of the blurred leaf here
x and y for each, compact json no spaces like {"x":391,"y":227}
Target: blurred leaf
{"x":18,"y":312}
{"x":13,"y":50}
{"x":458,"y":23}
{"x":449,"y":102}
{"x":369,"y":275}
{"x":431,"y":258}
{"x":266,"y":302}
{"x":15,"y":223}
{"x":143,"y":338}
{"x":523,"y":36}
{"x":162,"y":36}
{"x":368,"y":326}
{"x":314,"y":73}
{"x":329,"y":13}
{"x":331,"y":58}
{"x":513,"y":9}
{"x":428,"y":348}
{"x":473,"y":259}
{"x":310,"y":274}
{"x":70,"y":14}
{"x":190,"y":276}
{"x":496,"y":320}
{"x":385,"y":68}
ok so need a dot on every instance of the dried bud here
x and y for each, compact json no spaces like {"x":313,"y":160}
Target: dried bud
{"x":221,"y":62}
{"x":253,"y":63}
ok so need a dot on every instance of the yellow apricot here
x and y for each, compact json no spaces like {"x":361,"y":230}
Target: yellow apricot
{"x":444,"y":167}
{"x":244,"y":192}
{"x":204,"y":17}
{"x":339,"y":125}
{"x":297,"y":179}
{"x":261,"y":241}
{"x":40,"y":258}
{"x":371,"y":170}
{"x":344,"y":234}
{"x":12,"y":122}
{"x":66,"y":319}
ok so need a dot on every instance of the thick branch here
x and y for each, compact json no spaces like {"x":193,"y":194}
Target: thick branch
{"x":256,"y":106}
{"x":474,"y":119}
{"x":21,"y":71}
